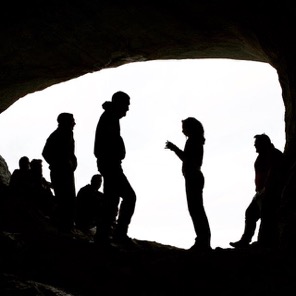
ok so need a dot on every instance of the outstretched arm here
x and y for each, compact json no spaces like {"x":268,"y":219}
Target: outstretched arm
{"x":169,"y":145}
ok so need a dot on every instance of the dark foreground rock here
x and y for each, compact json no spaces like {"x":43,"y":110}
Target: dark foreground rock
{"x":67,"y":265}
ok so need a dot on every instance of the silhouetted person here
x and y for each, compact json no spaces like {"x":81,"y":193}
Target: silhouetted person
{"x":20,"y":179}
{"x":109,"y":150}
{"x":34,"y":211}
{"x":89,"y":204}
{"x":268,"y":166}
{"x":59,"y":153}
{"x":18,"y":195}
{"x":192,"y":159}
{"x":40,"y":189}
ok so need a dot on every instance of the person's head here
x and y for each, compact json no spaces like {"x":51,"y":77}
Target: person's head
{"x":192,"y":127}
{"x":120,"y":101}
{"x":66,"y":120}
{"x":36,"y":166}
{"x":262,"y":143}
{"x":96,"y":181}
{"x":24,"y":163}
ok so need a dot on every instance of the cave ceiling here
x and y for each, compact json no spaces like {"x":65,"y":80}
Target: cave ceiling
{"x":48,"y":42}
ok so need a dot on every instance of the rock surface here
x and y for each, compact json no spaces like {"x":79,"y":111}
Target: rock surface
{"x":66,"y":266}
{"x":5,"y":173}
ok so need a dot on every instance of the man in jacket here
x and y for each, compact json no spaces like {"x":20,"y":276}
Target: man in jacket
{"x":59,"y":153}
{"x":269,"y":170}
{"x":109,"y":149}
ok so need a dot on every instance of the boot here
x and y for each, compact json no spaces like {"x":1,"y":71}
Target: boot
{"x":120,"y":236}
{"x":242,"y":243}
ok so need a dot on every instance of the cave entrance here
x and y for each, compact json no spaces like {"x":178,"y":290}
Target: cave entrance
{"x":233,"y":99}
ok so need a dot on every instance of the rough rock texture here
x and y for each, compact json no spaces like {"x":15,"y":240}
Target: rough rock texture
{"x":4,"y":172}
{"x":62,"y":266}
{"x":44,"y":43}
{"x":54,"y":41}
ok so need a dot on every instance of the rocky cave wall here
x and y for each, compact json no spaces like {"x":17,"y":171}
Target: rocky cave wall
{"x":44,"y":43}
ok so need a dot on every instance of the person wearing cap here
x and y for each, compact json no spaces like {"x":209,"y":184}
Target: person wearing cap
{"x":109,"y":150}
{"x":59,"y":153}
{"x":269,"y":170}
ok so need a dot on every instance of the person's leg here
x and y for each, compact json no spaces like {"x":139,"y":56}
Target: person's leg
{"x":268,"y":235}
{"x":252,"y":215}
{"x":109,"y":209}
{"x":126,"y":210}
{"x":194,"y":192}
{"x":64,"y":188}
{"x":109,"y":204}
{"x":201,"y":226}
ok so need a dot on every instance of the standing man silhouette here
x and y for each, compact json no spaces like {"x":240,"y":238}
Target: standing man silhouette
{"x":192,"y":158}
{"x":59,"y":153}
{"x":109,"y":149}
{"x":269,"y":172}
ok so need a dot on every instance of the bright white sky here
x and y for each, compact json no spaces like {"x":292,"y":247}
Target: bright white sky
{"x":233,"y":99}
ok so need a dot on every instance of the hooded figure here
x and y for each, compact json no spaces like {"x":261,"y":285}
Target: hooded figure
{"x":109,"y":149}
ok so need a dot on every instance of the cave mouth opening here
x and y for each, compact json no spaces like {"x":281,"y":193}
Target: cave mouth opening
{"x":233,"y":99}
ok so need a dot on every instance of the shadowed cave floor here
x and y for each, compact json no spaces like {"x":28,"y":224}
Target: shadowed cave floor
{"x":61,"y":265}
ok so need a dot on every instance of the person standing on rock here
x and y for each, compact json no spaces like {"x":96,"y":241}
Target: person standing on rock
{"x":59,"y":153}
{"x":192,"y":158}
{"x":109,"y":150}
{"x":269,"y":172}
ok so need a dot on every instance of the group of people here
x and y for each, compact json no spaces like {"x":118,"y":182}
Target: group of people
{"x":34,"y":203}
{"x":269,"y":169}
{"x":111,"y":211}
{"x":116,"y":206}
{"x":30,"y":195}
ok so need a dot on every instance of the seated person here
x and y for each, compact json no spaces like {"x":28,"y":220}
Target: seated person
{"x":88,"y":204}
{"x":41,"y":193}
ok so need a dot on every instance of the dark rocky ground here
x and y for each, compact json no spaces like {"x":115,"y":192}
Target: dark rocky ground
{"x":56,"y":264}
{"x":38,"y":260}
